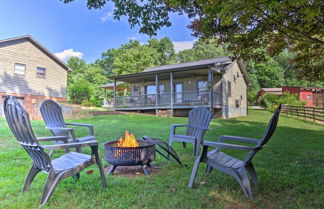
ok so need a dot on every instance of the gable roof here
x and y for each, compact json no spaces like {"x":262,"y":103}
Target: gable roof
{"x":220,"y":61}
{"x":195,"y":64}
{"x":39,"y":46}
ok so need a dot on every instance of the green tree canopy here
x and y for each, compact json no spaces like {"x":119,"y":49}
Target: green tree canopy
{"x":245,"y":25}
{"x":84,"y":81}
{"x":134,"y":57}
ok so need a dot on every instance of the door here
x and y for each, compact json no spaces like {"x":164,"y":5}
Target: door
{"x":178,"y":93}
{"x":150,"y":92}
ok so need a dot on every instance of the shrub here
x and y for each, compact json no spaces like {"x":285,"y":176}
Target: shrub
{"x":86,"y":103}
{"x":268,"y":100}
{"x":291,"y":99}
{"x":271,"y":101}
{"x":79,"y":91}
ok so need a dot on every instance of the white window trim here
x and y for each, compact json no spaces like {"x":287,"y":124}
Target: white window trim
{"x":18,"y":72}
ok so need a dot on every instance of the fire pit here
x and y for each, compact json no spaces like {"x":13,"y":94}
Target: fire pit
{"x":129,"y":152}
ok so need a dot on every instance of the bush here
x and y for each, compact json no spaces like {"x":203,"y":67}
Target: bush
{"x":79,"y":91}
{"x":86,"y":103}
{"x":271,"y":101}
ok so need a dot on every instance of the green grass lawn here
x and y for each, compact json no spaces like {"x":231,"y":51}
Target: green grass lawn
{"x":290,"y":169}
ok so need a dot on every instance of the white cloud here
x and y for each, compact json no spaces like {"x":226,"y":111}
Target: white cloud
{"x":67,"y":53}
{"x":182,"y":45}
{"x":108,"y":16}
{"x":131,"y":38}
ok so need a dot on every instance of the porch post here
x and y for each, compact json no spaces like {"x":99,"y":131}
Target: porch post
{"x":105,"y":98}
{"x":115,"y":88}
{"x":157,"y":90}
{"x":224,"y":98}
{"x":171,"y":93}
{"x":211,"y":89}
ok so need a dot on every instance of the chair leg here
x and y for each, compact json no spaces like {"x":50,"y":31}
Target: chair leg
{"x":94,"y":150}
{"x":250,"y":169}
{"x":194,"y":171}
{"x":51,"y":153}
{"x":170,"y":141}
{"x":243,"y":180}
{"x":184,"y":144}
{"x":209,"y":169}
{"x":49,"y":187}
{"x":30,"y":177}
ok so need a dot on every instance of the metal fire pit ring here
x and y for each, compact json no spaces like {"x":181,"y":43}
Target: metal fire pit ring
{"x":129,"y":156}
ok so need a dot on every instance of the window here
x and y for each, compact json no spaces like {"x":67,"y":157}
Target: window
{"x":161,"y":88}
{"x":40,"y":72}
{"x":309,"y":97}
{"x":202,"y":87}
{"x":229,"y":89}
{"x":20,"y":69}
{"x":151,"y":89}
{"x":237,"y":103}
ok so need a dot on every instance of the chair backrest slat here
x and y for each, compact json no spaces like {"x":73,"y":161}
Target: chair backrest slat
{"x":53,"y":117}
{"x":19,"y":124}
{"x":198,"y":117}
{"x":266,"y":136}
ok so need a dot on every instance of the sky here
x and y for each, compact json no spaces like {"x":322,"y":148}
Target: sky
{"x":74,"y":30}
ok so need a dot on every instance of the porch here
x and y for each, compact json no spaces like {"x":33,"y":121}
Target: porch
{"x":187,"y":99}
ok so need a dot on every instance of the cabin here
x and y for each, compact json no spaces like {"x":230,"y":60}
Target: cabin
{"x":219,"y":84}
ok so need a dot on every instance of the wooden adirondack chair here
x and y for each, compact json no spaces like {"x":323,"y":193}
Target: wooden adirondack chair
{"x":198,"y":122}
{"x":230,"y":165}
{"x":57,"y":169}
{"x":53,"y":117}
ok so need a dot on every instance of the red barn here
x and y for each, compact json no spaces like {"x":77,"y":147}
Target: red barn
{"x":313,"y":96}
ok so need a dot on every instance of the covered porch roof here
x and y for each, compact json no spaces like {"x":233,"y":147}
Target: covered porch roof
{"x":197,"y":68}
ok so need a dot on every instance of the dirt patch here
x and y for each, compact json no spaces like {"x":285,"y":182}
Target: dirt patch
{"x":132,"y":171}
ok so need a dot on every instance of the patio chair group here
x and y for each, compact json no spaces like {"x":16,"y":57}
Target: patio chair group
{"x":71,"y":163}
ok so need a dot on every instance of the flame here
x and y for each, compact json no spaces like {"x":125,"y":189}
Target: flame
{"x":128,"y":141}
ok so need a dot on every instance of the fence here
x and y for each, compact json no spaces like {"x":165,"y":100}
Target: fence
{"x":311,"y":113}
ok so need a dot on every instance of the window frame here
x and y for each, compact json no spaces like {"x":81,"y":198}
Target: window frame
{"x":16,"y":72}
{"x":229,"y":89}
{"x":45,"y":73}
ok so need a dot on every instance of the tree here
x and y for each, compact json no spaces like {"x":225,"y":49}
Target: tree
{"x":245,"y":25}
{"x":134,"y":57}
{"x":84,"y":82}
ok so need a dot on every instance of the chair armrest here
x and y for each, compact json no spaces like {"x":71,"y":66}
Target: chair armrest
{"x":174,"y":126}
{"x":229,"y":146}
{"x":71,"y":145}
{"x":59,"y":128}
{"x":178,"y":125}
{"x":89,"y":126}
{"x":237,"y":138}
{"x":71,"y":130}
{"x":52,"y":138}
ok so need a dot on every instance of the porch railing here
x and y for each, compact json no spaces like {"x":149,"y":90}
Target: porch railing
{"x":189,"y":98}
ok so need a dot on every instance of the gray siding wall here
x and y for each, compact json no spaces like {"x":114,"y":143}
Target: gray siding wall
{"x":24,"y":52}
{"x":238,"y":92}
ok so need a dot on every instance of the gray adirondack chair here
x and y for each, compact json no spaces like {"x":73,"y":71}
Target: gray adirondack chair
{"x":57,"y":169}
{"x":198,"y":122}
{"x":53,"y":117}
{"x":230,"y":165}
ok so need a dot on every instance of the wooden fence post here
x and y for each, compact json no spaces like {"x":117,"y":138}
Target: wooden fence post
{"x":314,"y":114}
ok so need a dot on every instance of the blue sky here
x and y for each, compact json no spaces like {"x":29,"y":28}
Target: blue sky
{"x":72,"y":29}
